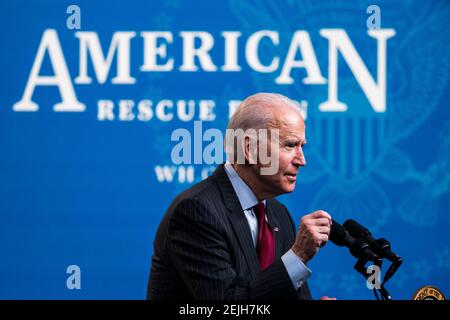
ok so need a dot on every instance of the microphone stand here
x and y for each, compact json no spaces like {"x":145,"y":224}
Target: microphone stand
{"x":389,"y":274}
{"x":358,"y":246}
{"x":384,"y":293}
{"x":360,"y":266}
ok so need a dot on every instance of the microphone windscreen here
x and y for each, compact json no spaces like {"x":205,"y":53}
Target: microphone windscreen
{"x":338,"y":234}
{"x":355,"y":229}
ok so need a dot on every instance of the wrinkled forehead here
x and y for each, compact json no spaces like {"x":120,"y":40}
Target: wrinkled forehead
{"x":288,"y":122}
{"x":289,"y":129}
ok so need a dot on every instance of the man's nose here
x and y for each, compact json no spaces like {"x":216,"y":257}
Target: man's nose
{"x":299,"y":159}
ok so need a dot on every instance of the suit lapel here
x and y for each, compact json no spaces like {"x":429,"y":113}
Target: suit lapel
{"x":237,"y":220}
{"x":275,"y":225}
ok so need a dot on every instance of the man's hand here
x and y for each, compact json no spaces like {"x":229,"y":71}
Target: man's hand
{"x":327,"y":298}
{"x":312,"y":234}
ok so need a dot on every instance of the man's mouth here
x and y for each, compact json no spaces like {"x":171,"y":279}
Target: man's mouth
{"x":292,"y":176}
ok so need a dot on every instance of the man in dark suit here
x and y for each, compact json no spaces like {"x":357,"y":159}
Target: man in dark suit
{"x":227,"y":237}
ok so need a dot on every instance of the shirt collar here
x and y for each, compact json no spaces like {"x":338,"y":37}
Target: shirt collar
{"x":246,"y":197}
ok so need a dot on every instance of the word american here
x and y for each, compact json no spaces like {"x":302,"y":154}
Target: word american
{"x":196,"y":56}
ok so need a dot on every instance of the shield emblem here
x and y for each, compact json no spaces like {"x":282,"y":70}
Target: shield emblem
{"x":349,"y":146}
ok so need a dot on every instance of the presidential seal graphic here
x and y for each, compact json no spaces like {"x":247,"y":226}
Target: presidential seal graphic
{"x":429,"y":293}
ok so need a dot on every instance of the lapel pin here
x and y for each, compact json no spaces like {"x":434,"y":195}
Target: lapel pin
{"x":275,"y":229}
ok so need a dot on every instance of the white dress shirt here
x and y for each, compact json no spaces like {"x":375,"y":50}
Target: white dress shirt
{"x":295,"y":267}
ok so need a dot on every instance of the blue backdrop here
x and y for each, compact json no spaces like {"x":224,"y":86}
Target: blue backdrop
{"x":85,"y":189}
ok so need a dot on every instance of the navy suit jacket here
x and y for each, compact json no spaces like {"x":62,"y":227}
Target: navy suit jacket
{"x":203,"y":248}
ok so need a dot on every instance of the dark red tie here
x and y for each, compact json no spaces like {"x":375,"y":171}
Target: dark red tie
{"x":265,"y":247}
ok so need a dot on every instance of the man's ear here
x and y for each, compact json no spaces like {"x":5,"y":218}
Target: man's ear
{"x":250,"y":147}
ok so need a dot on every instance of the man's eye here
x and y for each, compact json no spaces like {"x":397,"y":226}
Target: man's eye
{"x":291,"y":145}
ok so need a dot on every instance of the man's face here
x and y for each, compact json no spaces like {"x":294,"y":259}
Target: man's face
{"x":291,"y":158}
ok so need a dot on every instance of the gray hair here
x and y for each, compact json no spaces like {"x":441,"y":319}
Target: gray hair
{"x":256,"y":111}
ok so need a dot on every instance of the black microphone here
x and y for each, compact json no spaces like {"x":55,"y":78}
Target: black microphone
{"x":359,"y":248}
{"x":381,"y":247}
